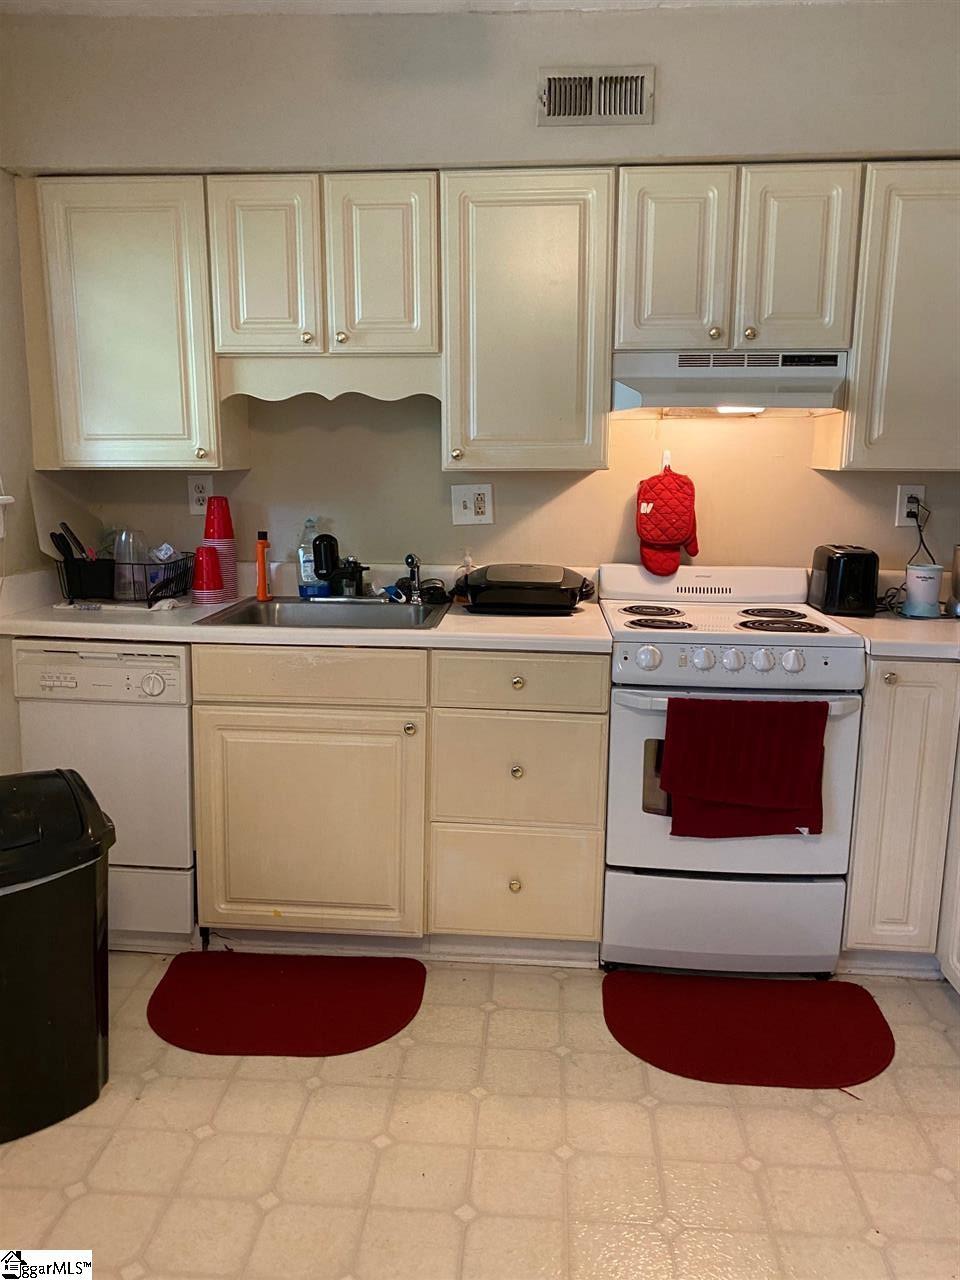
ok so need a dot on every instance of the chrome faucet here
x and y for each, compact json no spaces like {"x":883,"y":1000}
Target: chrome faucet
{"x":413,"y":564}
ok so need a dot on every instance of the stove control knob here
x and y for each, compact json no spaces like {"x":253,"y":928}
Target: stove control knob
{"x":764,"y":660}
{"x":153,"y":684}
{"x":649,"y":657}
{"x":703,"y":659}
{"x":793,"y":661}
{"x":733,"y":659}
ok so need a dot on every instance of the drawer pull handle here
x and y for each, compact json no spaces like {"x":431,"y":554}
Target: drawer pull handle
{"x":516,"y":771}
{"x":515,"y":886}
{"x":518,"y":682}
{"x":889,"y":677}
{"x":409,"y":728}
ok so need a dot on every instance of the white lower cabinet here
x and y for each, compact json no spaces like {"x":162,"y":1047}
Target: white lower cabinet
{"x":517,"y":798}
{"x":310,"y":819}
{"x":948,"y":936}
{"x":908,"y":749}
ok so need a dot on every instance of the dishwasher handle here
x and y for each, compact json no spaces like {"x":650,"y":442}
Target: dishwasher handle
{"x":839,"y":707}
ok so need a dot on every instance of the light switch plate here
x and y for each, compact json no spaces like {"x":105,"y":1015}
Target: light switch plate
{"x":472,"y":503}
{"x":199,"y":489}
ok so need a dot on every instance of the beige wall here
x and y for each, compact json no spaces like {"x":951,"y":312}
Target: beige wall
{"x":381,"y":91}
{"x":372,"y":471}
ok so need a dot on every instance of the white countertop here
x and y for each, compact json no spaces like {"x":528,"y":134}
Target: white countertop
{"x":584,"y":631}
{"x":889,"y":635}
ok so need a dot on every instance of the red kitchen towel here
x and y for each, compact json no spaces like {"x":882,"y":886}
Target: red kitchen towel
{"x":735,"y":767}
{"x":666,"y":521}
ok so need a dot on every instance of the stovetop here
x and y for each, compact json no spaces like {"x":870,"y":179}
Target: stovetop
{"x":727,"y":628}
{"x":635,"y":619}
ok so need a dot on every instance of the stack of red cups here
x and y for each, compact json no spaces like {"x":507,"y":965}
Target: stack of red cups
{"x":207,"y":578}
{"x":218,"y":533}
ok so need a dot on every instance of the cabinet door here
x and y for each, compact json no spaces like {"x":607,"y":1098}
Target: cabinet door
{"x":527,"y":273}
{"x":904,"y":399}
{"x":310,"y":819}
{"x":382,"y":251}
{"x":264,"y":245}
{"x":948,"y":934}
{"x":908,"y":743}
{"x":796,"y":255}
{"x":127,"y":298}
{"x":675,"y":257}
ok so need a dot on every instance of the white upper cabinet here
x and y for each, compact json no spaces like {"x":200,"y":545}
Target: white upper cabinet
{"x":382,"y":251}
{"x":124,"y":376}
{"x":796,"y":255}
{"x":526,"y":278}
{"x":675,"y":243}
{"x":904,"y":396}
{"x":265,"y":249}
{"x":781,"y":274}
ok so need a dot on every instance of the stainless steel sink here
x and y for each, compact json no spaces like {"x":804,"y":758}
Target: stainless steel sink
{"x":365,"y":613}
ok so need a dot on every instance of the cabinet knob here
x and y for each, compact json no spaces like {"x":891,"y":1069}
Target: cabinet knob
{"x":200,"y":453}
{"x":750,"y":333}
{"x":456,"y":454}
{"x":889,"y":677}
{"x":518,"y":682}
{"x":409,"y":728}
{"x":516,"y":771}
{"x":341,"y":336}
{"x":714,"y":332}
{"x":515,"y":886}
{"x":306,"y":337}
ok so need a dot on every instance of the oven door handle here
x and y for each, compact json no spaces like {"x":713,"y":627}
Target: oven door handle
{"x":839,"y":707}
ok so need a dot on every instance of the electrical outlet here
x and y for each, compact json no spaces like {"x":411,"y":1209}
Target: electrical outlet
{"x":904,"y":493}
{"x":472,"y":503}
{"x":199,"y":489}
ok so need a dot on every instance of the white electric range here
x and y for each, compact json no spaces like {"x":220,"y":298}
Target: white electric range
{"x":760,"y":903}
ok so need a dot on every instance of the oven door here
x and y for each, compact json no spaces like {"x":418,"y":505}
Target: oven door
{"x":638,"y":811}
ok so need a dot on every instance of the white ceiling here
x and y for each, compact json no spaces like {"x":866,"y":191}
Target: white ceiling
{"x":208,"y":8}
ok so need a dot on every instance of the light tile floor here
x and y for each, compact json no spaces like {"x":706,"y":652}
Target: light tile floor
{"x":503,"y":1135}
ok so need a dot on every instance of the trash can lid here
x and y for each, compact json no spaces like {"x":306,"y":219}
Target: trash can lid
{"x":49,"y":822}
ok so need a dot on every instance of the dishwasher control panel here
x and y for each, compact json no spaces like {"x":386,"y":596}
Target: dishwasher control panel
{"x":46,"y":669}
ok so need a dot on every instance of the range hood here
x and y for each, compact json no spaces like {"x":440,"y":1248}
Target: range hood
{"x":711,"y":379}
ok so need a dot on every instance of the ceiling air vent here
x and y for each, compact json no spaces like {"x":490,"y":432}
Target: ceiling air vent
{"x":595,"y":95}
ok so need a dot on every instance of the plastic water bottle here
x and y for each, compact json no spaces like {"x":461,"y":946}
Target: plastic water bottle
{"x":309,"y":586}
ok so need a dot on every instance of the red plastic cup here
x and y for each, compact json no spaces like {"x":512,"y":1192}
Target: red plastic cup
{"x":219,"y":522}
{"x":206,"y":570}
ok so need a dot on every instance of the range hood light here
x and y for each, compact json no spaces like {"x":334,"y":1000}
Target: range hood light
{"x":742,"y":409}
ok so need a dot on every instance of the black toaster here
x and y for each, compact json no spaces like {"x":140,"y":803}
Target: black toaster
{"x":843,"y":581}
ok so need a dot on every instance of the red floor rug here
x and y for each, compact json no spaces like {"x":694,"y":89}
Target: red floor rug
{"x":795,"y":1034}
{"x":284,"y":1006}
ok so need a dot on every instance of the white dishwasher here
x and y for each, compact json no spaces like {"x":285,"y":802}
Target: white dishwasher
{"x":120,"y":715}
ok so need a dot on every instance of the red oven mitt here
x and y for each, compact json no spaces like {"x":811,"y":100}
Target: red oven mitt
{"x":666,"y":521}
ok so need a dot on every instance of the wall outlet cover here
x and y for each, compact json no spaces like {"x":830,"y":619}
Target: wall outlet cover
{"x":199,"y":489}
{"x":472,"y":503}
{"x":904,"y":493}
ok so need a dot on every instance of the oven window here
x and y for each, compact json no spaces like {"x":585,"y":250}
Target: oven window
{"x":655,"y":799}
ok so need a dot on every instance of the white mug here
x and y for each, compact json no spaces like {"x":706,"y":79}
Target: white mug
{"x":923,"y":590}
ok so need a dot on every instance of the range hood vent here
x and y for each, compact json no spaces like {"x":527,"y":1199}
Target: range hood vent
{"x":706,"y":379}
{"x":595,"y":95}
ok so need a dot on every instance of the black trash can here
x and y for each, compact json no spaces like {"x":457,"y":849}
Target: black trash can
{"x":54,"y":1014}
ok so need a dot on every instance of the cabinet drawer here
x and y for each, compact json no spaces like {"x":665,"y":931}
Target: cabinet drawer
{"x":302,"y":676}
{"x":521,"y":681}
{"x":516,"y":883}
{"x":518,"y":768}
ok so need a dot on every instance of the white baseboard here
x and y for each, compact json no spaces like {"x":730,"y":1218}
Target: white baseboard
{"x":158,"y":944}
{"x":467,"y":950}
{"x":890,"y":964}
